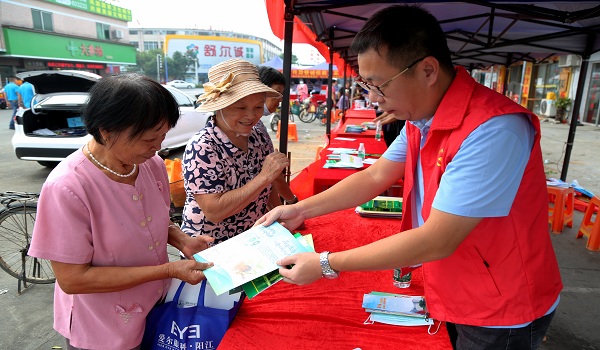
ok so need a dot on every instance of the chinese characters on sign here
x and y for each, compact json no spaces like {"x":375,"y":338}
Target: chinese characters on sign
{"x":85,"y":49}
{"x":228,"y":51}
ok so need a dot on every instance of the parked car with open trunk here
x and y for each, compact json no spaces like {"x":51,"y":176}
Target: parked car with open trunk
{"x":53,"y":128}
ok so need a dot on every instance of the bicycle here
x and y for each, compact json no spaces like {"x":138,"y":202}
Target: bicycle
{"x":276,"y":116}
{"x":16,"y":227}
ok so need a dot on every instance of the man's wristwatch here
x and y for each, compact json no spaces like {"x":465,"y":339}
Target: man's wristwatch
{"x":291,"y":201}
{"x":327,"y":271}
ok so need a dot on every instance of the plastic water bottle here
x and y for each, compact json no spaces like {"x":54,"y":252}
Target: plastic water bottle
{"x":361,"y":151}
{"x":403,"y":276}
{"x":378,"y":131}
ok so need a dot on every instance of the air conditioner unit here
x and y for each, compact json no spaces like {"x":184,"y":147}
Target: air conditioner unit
{"x":117,"y":34}
{"x":548,"y":108}
{"x":569,"y":61}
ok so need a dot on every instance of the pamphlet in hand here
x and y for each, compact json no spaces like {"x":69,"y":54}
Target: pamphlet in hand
{"x":261,"y":283}
{"x":249,"y":255}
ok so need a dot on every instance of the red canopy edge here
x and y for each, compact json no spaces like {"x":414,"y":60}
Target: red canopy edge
{"x":302,"y":35}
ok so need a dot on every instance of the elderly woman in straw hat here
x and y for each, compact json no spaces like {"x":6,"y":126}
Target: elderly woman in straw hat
{"x":228,"y":166}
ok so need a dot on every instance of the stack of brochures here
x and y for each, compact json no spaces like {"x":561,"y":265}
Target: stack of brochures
{"x":354,"y":129}
{"x":396,"y":309}
{"x":381,"y":207}
{"x":344,"y":161}
{"x":249,"y":259}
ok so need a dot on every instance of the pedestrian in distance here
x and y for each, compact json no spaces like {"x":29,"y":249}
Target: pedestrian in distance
{"x":11,"y":90}
{"x":475,"y":197}
{"x":26,"y":93}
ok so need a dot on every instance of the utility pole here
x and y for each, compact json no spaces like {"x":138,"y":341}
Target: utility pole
{"x":158,"y":65}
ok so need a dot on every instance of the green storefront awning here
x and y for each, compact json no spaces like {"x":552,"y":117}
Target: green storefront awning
{"x":29,"y":44}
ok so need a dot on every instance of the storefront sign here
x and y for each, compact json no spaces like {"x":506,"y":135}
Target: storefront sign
{"x":210,"y":50}
{"x":98,"y":7}
{"x":527,"y":68}
{"x":71,"y":65}
{"x":19,"y":44}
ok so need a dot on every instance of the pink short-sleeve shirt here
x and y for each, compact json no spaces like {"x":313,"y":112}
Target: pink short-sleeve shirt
{"x":84,"y":217}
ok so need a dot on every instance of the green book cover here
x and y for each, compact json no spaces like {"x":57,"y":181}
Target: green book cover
{"x":383,"y":204}
{"x":261,"y":283}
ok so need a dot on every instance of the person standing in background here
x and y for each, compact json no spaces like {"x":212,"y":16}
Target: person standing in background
{"x":11,"y":90}
{"x":26,"y":92}
{"x":274,"y":79}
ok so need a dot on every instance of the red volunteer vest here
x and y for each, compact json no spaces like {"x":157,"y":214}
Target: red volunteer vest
{"x":505,"y":272}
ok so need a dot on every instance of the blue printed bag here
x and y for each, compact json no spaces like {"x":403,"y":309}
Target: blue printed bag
{"x":170,"y":327}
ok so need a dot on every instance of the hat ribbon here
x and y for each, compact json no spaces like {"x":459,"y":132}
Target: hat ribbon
{"x":212,"y":91}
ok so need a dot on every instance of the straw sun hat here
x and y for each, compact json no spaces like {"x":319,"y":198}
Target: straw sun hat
{"x":230,"y":81}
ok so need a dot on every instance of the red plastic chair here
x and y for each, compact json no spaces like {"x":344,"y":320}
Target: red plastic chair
{"x":590,"y":226}
{"x":561,"y":204}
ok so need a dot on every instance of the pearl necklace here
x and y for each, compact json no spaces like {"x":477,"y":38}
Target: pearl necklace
{"x":107,"y":168}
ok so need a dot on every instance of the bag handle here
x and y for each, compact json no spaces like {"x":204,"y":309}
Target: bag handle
{"x":200,"y":294}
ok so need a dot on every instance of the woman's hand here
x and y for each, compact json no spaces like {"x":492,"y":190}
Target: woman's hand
{"x":289,"y":216}
{"x":193,"y":245}
{"x":274,"y":164}
{"x":306,"y":269}
{"x":189,"y":271}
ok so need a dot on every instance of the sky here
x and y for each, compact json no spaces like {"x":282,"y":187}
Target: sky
{"x":243,"y":16}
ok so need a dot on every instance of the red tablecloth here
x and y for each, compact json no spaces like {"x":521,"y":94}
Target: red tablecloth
{"x":326,"y":177}
{"x":360,"y":113}
{"x":340,"y":130}
{"x":328,"y":314}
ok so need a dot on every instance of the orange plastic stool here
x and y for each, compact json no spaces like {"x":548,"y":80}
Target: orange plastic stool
{"x":292,"y":131}
{"x":589,"y":228}
{"x":561,"y":213}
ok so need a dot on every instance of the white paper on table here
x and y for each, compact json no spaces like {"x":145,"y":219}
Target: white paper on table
{"x":341,"y":150}
{"x":369,"y":161}
{"x":344,"y":139}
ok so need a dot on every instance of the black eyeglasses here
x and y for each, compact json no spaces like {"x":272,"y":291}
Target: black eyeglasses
{"x":377,"y":88}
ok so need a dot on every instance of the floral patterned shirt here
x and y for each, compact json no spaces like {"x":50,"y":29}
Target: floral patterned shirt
{"x":213,"y":164}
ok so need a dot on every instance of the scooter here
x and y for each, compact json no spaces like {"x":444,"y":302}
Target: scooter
{"x":276,"y":116}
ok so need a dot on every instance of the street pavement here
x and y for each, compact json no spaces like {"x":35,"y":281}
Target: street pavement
{"x":26,"y":319}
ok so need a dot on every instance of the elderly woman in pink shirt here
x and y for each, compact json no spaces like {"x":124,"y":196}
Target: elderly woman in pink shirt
{"x":103,"y":219}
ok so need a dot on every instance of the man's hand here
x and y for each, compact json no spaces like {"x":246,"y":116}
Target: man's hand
{"x":290,"y":216}
{"x":385,"y":118}
{"x":306,"y":268}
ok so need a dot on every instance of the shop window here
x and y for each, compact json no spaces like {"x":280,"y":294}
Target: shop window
{"x":592,"y":109}
{"x":544,"y":83}
{"x":150,"y":45}
{"x":103,"y":31}
{"x":515,"y":83}
{"x":42,"y":20}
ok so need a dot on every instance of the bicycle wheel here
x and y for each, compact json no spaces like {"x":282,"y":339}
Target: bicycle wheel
{"x":275,"y":122}
{"x":306,"y":116}
{"x":16,"y":227}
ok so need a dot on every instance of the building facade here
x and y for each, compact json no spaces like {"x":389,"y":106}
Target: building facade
{"x":209,"y":46}
{"x":88,"y":35}
{"x":541,"y":86}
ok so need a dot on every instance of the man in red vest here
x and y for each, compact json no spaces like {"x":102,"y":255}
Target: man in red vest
{"x":475,"y":199}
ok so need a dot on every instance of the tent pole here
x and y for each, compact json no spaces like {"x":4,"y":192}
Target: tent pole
{"x":576,"y":116}
{"x":287,"y":72}
{"x":329,"y":92}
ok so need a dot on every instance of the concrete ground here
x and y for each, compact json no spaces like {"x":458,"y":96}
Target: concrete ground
{"x":26,"y":321}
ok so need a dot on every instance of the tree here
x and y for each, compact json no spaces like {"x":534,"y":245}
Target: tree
{"x":146,"y":64}
{"x":294,"y":58}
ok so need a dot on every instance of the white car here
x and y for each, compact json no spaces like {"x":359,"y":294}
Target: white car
{"x":180,"y":84}
{"x":53,"y":128}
